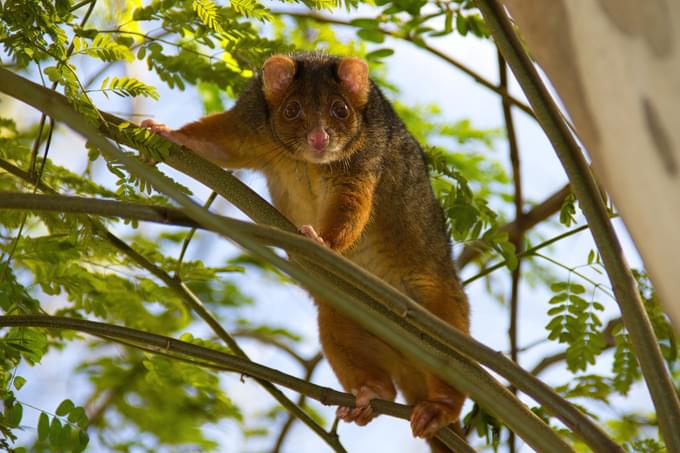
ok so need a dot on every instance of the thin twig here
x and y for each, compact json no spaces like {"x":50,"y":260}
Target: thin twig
{"x":272,"y":342}
{"x":572,"y":270}
{"x":531,"y":218}
{"x":517,"y":239}
{"x":190,"y":236}
{"x":310,"y":367}
{"x":487,"y":270}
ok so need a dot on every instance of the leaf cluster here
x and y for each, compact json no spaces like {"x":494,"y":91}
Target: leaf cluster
{"x":574,"y":321}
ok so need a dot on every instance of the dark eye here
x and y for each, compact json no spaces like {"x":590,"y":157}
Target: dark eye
{"x":340,"y":110}
{"x":292,"y":110}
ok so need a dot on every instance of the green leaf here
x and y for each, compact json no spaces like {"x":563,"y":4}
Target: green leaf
{"x":63,"y":6}
{"x":448,"y":22}
{"x":365,"y":23}
{"x":579,"y":301}
{"x":65,"y":435}
{"x":78,"y":416}
{"x":462,"y":24}
{"x":557,"y":287}
{"x":558,"y":298}
{"x":568,"y":210}
{"x":83,"y":440}
{"x":43,"y":426}
{"x":379,"y":54}
{"x":555,"y":310}
{"x":19,"y":382}
{"x":478,"y":26}
{"x":14,"y":414}
{"x":32,"y":343}
{"x":55,"y":431}
{"x":65,"y":407}
{"x":128,"y":87}
{"x":207,"y":11}
{"x":105,"y":48}
{"x":250,"y":8}
{"x":371,"y":35}
{"x":576,"y":288}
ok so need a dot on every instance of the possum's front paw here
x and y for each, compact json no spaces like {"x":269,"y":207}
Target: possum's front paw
{"x":157,"y":128}
{"x":311,"y":233}
{"x":429,"y":416}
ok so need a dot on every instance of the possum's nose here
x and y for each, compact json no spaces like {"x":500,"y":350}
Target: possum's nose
{"x":318,"y":139}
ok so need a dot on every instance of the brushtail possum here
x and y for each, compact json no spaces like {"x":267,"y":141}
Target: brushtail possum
{"x":340,"y":164}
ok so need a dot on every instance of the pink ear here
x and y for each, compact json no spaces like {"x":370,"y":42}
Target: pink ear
{"x":277,"y":74}
{"x":353,"y":74}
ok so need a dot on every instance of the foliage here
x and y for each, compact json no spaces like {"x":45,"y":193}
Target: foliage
{"x":575,"y":322}
{"x":67,"y":264}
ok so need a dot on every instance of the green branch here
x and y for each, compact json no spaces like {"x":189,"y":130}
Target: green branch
{"x":586,"y":190}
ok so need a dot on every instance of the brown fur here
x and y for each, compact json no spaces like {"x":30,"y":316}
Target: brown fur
{"x":369,"y":196}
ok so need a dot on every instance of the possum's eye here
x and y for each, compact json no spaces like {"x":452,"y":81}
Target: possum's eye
{"x":292,"y":110}
{"x":340,"y":110}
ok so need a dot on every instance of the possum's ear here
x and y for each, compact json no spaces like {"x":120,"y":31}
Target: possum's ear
{"x":277,"y":74}
{"x":353,"y":75}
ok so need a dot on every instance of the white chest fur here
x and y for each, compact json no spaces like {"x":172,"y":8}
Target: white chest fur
{"x":299,"y":191}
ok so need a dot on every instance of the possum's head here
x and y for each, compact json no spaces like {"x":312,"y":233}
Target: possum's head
{"x":316,"y":104}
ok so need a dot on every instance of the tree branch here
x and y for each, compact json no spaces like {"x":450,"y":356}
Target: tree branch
{"x":585,"y":189}
{"x":159,"y":344}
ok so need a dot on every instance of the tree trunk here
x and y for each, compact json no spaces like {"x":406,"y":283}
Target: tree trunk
{"x":616,"y":67}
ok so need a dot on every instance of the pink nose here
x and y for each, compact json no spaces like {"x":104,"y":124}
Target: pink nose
{"x":318,"y":139}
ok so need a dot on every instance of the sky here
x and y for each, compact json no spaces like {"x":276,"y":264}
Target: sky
{"x":459,"y":97}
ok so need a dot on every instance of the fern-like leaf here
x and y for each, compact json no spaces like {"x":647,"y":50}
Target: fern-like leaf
{"x":575,"y":322}
{"x":250,"y":8}
{"x":103,"y":48}
{"x":208,"y":12}
{"x":128,"y":87}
